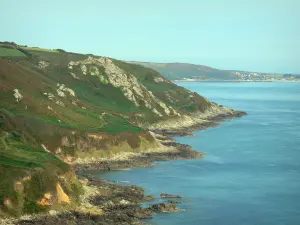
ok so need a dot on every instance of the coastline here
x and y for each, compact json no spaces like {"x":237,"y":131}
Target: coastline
{"x":188,"y":124}
{"x":238,"y":81}
{"x":167,"y":148}
{"x":109,"y":203}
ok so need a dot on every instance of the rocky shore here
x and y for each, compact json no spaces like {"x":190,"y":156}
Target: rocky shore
{"x":170,"y":150}
{"x":188,"y":124}
{"x":110,"y":203}
{"x":103,"y":203}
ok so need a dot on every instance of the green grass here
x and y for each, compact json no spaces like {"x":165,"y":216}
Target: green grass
{"x":117,"y":124}
{"x":16,"y":153}
{"x":10,"y":52}
{"x":40,"y":49}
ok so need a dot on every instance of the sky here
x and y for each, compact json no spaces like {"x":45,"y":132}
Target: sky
{"x":253,"y":35}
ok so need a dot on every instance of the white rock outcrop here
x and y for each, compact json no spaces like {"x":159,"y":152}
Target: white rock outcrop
{"x":74,"y":75}
{"x":60,"y":103}
{"x":128,"y":83}
{"x":62,"y":89}
{"x":45,"y":148}
{"x":125,"y":202}
{"x":83,"y":69}
{"x":156,"y":112}
{"x":60,"y":93}
{"x":159,"y":79}
{"x":17,"y":95}
{"x":94,"y":71}
{"x":49,"y":95}
{"x":43,"y":64}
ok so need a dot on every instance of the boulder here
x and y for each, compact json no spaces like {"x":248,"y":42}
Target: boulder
{"x":163,"y":195}
{"x":174,"y":201}
{"x":163,"y":207}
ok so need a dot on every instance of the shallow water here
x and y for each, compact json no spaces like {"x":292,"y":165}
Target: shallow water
{"x":251,"y":173}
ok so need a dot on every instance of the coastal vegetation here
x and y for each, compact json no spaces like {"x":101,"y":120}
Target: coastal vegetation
{"x":61,"y":111}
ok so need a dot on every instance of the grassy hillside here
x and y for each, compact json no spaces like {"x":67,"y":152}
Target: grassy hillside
{"x":57,"y":106}
{"x":177,"y":71}
{"x":7,"y":50}
{"x":185,"y":71}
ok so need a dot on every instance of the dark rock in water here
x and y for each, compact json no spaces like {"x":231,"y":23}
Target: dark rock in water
{"x":239,"y":113}
{"x":163,"y":207}
{"x":170,"y":196}
{"x":174,"y":201}
{"x":149,"y":198}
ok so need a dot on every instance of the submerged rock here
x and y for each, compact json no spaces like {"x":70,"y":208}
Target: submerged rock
{"x":149,"y":198}
{"x":163,"y":207}
{"x":170,"y":196}
{"x":174,"y":201}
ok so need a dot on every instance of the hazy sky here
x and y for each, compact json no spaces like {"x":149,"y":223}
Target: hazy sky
{"x":257,"y":35}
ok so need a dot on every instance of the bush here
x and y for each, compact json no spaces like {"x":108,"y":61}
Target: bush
{"x":60,"y":50}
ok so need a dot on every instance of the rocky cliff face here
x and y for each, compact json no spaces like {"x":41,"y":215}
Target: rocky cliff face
{"x":128,"y":83}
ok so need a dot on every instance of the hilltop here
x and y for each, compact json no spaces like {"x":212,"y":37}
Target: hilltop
{"x":61,"y":109}
{"x":193,"y":72}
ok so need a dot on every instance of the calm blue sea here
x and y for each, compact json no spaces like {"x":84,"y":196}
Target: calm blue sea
{"x":251,"y":172}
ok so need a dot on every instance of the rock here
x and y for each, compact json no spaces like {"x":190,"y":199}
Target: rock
{"x":159,"y":79}
{"x":17,"y":95}
{"x":62,"y":89}
{"x":163,"y":207}
{"x":83,"y":69}
{"x":52,"y":213}
{"x":170,"y":196}
{"x":26,"y":217}
{"x":43,"y":64}
{"x":49,"y":95}
{"x":125,"y":202}
{"x":60,"y":103}
{"x":45,"y":148}
{"x":174,"y":201}
{"x":109,"y":204}
{"x":60,"y":93}
{"x":156,"y":112}
{"x":143,"y":214}
{"x":94,"y":71}
{"x":149,"y":198}
{"x":74,"y":75}
{"x":61,"y":195}
{"x":128,"y":83}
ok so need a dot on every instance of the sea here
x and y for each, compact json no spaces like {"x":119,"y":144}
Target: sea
{"x":250,"y":174}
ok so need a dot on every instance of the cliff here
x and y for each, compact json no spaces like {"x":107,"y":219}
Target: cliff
{"x":59,"y":108}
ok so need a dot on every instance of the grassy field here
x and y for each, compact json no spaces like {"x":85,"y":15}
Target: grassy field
{"x":40,"y":49}
{"x":6,"y":52}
